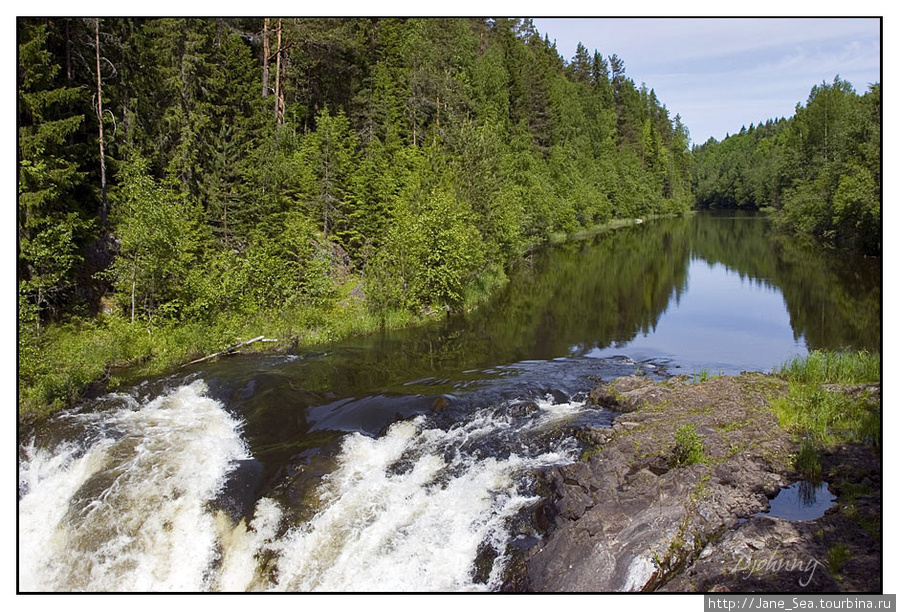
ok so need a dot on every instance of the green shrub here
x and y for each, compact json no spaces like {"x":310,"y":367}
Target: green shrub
{"x":688,"y":447}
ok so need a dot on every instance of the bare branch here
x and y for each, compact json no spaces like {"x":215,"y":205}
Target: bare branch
{"x":115,"y":125}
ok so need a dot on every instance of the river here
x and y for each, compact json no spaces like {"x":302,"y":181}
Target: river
{"x":405,"y":461}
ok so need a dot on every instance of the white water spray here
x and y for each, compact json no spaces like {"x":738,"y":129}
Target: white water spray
{"x":409,"y":511}
{"x":128,"y":512}
{"x":128,"y":509}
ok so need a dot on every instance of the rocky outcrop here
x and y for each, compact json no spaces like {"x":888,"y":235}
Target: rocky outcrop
{"x":630,"y":517}
{"x":838,"y":552}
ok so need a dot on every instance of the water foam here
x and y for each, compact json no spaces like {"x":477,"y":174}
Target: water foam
{"x":411,"y":510}
{"x":127,"y":509}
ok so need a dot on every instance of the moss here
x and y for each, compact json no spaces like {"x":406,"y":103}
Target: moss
{"x":702,"y":409}
{"x":589,"y":452}
{"x":591,"y":445}
{"x":732,"y":426}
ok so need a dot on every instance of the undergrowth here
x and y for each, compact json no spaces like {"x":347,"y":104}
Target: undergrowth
{"x":820,"y":367}
{"x":57,"y":366}
{"x":818,"y":416}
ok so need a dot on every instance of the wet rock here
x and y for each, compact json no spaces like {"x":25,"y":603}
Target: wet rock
{"x":625,"y":519}
{"x":521,"y":409}
{"x":439,"y":404}
{"x":628,"y":394}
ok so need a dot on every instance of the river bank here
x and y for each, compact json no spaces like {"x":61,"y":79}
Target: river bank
{"x":83,"y":357}
{"x":676,"y":496}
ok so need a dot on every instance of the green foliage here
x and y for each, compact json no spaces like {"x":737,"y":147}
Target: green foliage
{"x":423,"y":156}
{"x":818,"y":416}
{"x":820,"y":170}
{"x":330,"y":153}
{"x":287,"y":262}
{"x":844,"y":367}
{"x":829,"y":416}
{"x":432,"y":251}
{"x":158,"y":238}
{"x":67,"y":358}
{"x":54,"y":208}
{"x":838,"y":555}
{"x":688,"y":447}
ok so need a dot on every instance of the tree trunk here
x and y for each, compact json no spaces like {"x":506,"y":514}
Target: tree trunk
{"x":133,"y":283}
{"x":279,"y":94}
{"x":266,"y":58}
{"x":103,"y":208}
{"x":68,"y":51}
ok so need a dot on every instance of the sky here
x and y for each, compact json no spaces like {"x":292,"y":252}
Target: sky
{"x":721,"y":74}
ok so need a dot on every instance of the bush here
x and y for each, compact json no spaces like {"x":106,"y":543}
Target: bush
{"x":431,"y":254}
{"x":688,"y":447}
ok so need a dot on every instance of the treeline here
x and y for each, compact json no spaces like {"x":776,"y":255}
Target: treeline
{"x":185,"y":170}
{"x":820,"y":170}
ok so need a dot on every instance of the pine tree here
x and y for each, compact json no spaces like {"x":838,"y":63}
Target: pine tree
{"x":331,"y":153}
{"x":54,"y":221}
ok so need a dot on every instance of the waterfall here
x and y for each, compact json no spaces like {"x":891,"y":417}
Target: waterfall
{"x":130,"y":505}
{"x":126,"y":509}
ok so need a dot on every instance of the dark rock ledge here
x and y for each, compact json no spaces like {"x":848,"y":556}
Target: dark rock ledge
{"x":628,"y":518}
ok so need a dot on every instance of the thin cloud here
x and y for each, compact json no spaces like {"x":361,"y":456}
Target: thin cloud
{"x":754,"y":69}
{"x":692,"y":39}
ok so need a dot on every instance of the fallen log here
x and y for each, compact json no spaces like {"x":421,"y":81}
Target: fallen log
{"x":231,"y":349}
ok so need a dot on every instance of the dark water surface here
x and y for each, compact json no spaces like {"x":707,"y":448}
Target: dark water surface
{"x":345,"y":466}
{"x":709,"y":292}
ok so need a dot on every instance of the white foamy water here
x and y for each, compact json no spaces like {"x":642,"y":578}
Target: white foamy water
{"x":128,"y":510}
{"x":409,"y":511}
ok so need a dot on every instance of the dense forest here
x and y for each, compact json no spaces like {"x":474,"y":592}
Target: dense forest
{"x":186,"y":182}
{"x":820,"y":170}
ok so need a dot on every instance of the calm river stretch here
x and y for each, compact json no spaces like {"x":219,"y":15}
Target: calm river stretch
{"x":404,"y":461}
